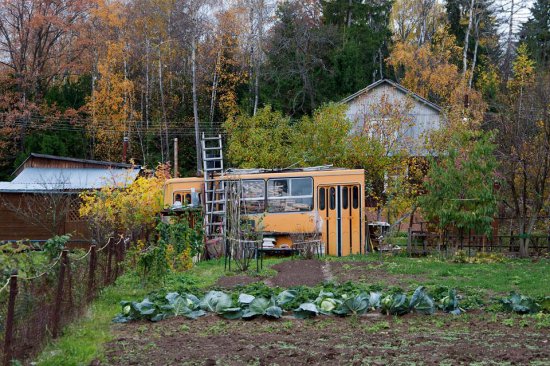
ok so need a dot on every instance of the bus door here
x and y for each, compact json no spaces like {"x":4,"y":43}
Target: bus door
{"x":339,"y":208}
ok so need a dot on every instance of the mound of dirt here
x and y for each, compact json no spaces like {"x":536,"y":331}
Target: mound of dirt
{"x":304,"y":272}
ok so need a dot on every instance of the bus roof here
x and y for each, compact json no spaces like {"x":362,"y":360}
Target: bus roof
{"x":268,"y":173}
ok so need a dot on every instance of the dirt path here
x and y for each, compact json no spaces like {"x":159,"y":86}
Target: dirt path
{"x":299,"y":272}
{"x":302,"y":272}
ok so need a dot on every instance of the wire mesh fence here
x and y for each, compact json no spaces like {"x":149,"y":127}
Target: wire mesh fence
{"x":34,"y":310}
{"x":429,"y":243}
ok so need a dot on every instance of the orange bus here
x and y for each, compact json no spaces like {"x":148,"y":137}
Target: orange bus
{"x":322,"y":201}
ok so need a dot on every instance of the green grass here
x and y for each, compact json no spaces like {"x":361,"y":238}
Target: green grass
{"x":82,"y":341}
{"x":522,"y":275}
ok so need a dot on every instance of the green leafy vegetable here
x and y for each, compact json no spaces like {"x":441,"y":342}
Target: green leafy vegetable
{"x":421,"y":302}
{"x":449,"y":302}
{"x":246,"y":299}
{"x":395,"y":304}
{"x":519,"y":304}
{"x":262,"y":306}
{"x":374,"y":300}
{"x":306,"y":310}
{"x":356,"y":305}
{"x":216,"y":302}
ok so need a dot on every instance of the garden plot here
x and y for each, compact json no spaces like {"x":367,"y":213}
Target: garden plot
{"x":367,"y":340}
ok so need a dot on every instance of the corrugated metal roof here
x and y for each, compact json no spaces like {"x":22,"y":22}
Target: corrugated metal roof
{"x":68,"y":179}
{"x":110,"y":164}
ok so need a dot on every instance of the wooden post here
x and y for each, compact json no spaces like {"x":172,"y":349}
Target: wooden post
{"x":176,"y":167}
{"x":8,"y":335}
{"x":124,"y":148}
{"x":91,"y":274}
{"x":59,"y":295}
{"x":109,"y":260}
{"x":409,"y":241}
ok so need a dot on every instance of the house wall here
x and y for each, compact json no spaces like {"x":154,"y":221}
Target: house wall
{"x":425,"y":117}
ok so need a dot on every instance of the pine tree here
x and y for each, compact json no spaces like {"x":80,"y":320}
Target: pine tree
{"x":363,"y":35}
{"x":535,"y":33}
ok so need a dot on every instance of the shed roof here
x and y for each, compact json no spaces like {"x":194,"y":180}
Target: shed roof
{"x":395,"y":85}
{"x":81,"y":163}
{"x":68,"y":179}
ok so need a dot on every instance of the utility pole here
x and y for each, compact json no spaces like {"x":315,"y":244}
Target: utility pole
{"x":176,"y":168}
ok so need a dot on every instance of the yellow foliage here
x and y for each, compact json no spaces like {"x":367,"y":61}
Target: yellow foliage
{"x":131,"y":209}
{"x":178,"y":263}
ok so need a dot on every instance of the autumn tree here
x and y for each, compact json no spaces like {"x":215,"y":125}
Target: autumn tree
{"x":260,"y":141}
{"x":130,"y":208}
{"x":416,"y":22}
{"x":523,"y":125}
{"x":460,"y":185}
{"x":39,"y":40}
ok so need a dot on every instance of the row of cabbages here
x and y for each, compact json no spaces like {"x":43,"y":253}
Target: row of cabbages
{"x":248,"y":306}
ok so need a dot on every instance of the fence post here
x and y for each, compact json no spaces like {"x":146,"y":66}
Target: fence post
{"x":59,"y":295}
{"x":109,"y":259}
{"x":8,"y":335}
{"x":69,"y":276}
{"x":91,"y":274}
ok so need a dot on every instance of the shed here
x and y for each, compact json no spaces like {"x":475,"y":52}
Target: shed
{"x":42,"y":199}
{"x":363,"y":110}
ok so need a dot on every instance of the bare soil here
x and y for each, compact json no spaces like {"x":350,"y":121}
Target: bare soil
{"x":306,"y":272}
{"x":372,"y":339}
{"x":229,"y":282}
{"x":369,"y":272}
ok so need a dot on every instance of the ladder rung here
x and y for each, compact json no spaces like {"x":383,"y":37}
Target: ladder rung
{"x":213,"y":170}
{"x":215,"y":190}
{"x":211,"y":138}
{"x":217,"y":212}
{"x":215,"y":224}
{"x":215,"y":201}
{"x":217,"y":158}
{"x":212,"y":148}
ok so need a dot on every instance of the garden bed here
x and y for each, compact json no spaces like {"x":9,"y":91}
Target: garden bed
{"x":371,"y":339}
{"x":289,"y":273}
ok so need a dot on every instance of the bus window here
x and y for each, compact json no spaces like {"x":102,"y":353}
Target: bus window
{"x":355,"y":197}
{"x":290,"y":195}
{"x":188,"y":199}
{"x":322,"y":199}
{"x":345,"y":198}
{"x":253,"y":196}
{"x":332,"y":198}
{"x":177,"y":198}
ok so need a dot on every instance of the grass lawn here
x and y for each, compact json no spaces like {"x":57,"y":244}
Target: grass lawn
{"x":86,"y":339}
{"x":522,"y":275}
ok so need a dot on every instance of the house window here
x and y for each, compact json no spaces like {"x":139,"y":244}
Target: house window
{"x":253,"y":196}
{"x":290,"y":195}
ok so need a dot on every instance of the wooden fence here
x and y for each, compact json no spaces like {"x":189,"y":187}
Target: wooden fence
{"x":422,"y":243}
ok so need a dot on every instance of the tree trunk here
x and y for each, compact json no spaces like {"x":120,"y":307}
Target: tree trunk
{"x":195,"y":103}
{"x":467,"y":39}
{"x":215,"y":85}
{"x":474,"y":60}
{"x":164,"y":123}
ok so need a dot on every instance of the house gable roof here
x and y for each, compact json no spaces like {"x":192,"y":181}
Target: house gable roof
{"x":395,"y":85}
